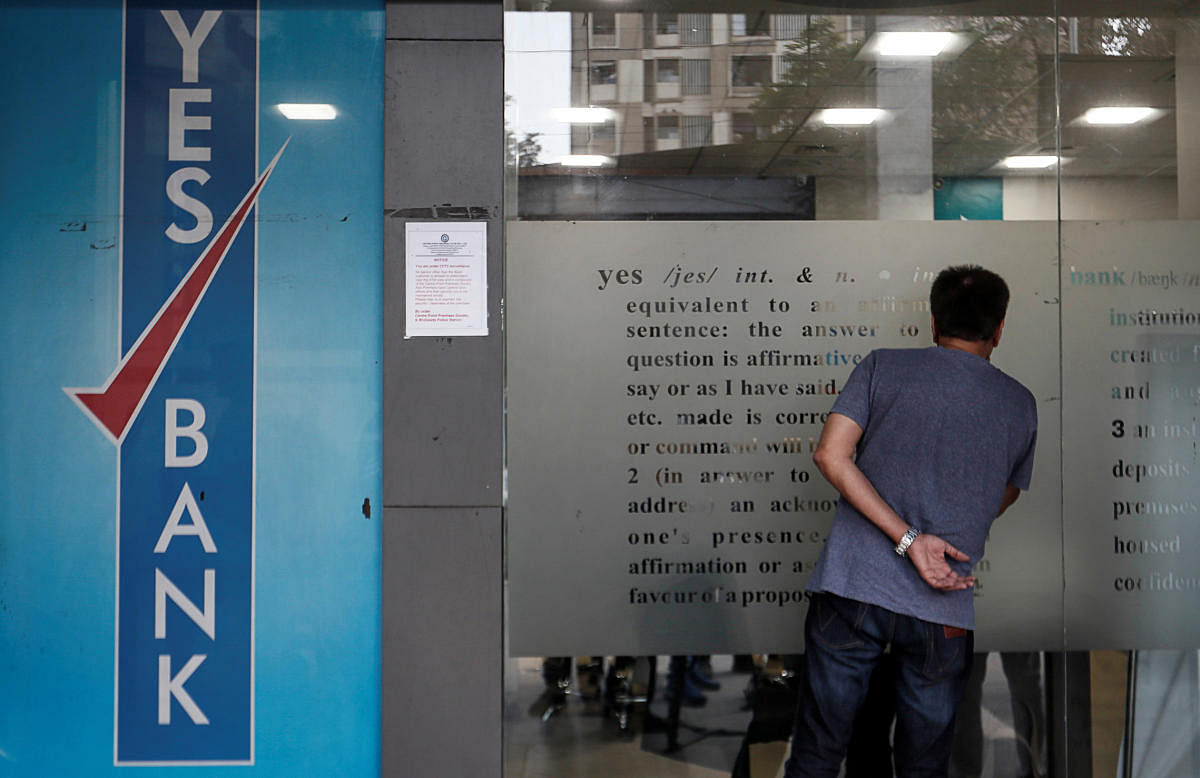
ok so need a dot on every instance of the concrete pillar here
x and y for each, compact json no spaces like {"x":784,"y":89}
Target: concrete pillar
{"x":904,"y":141}
{"x":900,"y":149}
{"x":442,"y":627}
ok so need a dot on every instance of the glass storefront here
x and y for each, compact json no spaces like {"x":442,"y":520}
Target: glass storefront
{"x":713,"y":214}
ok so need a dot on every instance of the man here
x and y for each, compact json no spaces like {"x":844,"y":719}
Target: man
{"x":926,"y":447}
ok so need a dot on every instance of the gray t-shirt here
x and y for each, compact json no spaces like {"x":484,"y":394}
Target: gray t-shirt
{"x":944,"y":432}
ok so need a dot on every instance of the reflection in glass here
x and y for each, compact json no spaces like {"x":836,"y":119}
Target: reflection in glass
{"x":733,"y":716}
{"x":964,"y":95}
{"x":604,"y":73}
{"x":308,"y":111}
{"x":1025,"y":696}
{"x":668,"y":71}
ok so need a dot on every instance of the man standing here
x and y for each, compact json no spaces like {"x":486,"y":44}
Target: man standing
{"x":926,"y":447}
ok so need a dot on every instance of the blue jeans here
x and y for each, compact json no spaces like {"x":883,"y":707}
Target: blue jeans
{"x":844,"y":640}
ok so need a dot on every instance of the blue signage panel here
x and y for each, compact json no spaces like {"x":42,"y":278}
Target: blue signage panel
{"x":190,"y":566}
{"x":181,"y":403}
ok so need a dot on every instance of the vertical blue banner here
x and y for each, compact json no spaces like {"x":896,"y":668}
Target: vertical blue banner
{"x":185,"y":583}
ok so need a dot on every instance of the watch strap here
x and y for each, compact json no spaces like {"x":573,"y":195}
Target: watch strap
{"x":906,"y":541}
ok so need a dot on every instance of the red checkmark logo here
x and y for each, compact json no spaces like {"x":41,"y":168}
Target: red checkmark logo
{"x":114,"y":406}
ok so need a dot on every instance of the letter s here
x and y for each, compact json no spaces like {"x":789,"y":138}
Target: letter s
{"x":175,"y":193}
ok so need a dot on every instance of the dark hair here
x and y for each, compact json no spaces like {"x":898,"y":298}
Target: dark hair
{"x":968,"y":302}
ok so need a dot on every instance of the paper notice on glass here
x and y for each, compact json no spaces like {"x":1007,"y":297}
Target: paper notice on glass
{"x":445,"y":279}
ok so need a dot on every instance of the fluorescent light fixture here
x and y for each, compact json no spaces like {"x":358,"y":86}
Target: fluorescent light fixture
{"x":584,"y":115}
{"x":912,"y":44}
{"x":1030,"y":161}
{"x":1118,"y":115}
{"x":308,"y":111}
{"x":849,"y":117}
{"x":586,"y":160}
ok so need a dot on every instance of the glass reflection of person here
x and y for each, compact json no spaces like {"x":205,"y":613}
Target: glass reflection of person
{"x":926,"y":447}
{"x":1023,"y":674}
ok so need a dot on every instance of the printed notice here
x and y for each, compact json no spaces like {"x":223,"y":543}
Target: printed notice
{"x":445,"y":279}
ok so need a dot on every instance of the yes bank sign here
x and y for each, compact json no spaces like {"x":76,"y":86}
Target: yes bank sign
{"x":179,"y":405}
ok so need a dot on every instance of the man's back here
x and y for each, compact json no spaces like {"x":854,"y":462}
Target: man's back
{"x":925,"y":447}
{"x":944,"y":433}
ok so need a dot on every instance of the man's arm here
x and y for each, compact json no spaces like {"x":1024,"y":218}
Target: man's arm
{"x":1011,"y":493}
{"x":834,"y":457}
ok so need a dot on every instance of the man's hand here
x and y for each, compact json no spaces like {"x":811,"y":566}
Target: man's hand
{"x":834,"y":457}
{"x":928,"y":553}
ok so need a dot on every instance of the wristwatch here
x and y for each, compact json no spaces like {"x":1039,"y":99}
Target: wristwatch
{"x":906,"y":541}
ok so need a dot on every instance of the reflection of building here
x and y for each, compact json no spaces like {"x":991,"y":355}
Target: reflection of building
{"x":745,"y":96}
{"x":674,"y":80}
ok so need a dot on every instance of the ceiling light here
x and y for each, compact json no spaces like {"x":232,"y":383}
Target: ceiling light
{"x":308,"y":111}
{"x":912,"y":44}
{"x":584,"y":115}
{"x":850,"y":117}
{"x":586,"y":160}
{"x":1116,"y":114}
{"x":1030,"y":162}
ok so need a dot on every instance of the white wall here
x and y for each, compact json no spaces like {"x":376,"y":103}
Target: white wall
{"x":1029,"y":198}
{"x":1090,"y":199}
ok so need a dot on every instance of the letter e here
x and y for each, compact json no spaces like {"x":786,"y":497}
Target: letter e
{"x":179,"y":122}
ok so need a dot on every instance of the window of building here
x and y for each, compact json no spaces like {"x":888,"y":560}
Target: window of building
{"x":668,"y":128}
{"x":695,"y":29}
{"x":697,"y":131}
{"x":668,"y":71}
{"x":696,"y":80}
{"x":606,"y":131}
{"x":604,"y":23}
{"x":751,"y":71}
{"x":667,"y":24}
{"x":604,"y":73}
{"x":789,"y":26}
{"x":745,"y":129}
{"x":750,"y":24}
